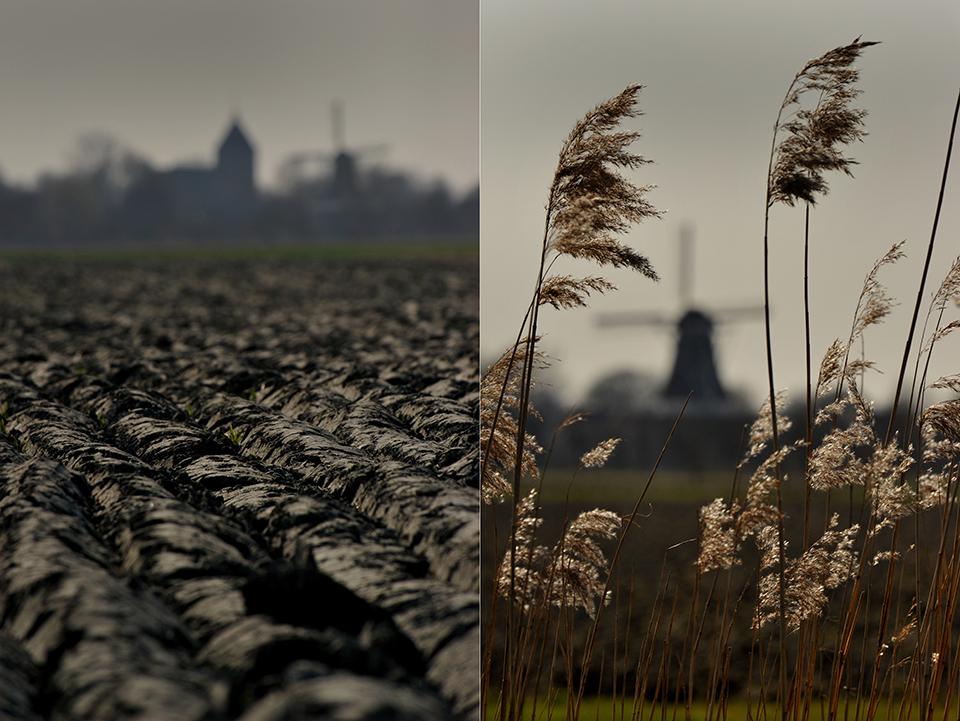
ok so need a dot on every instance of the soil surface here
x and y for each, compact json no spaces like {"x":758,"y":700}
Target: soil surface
{"x":239,"y":489}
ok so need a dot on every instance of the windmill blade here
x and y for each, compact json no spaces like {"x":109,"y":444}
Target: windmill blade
{"x":686,"y":265}
{"x":339,"y":139}
{"x":369,"y":152}
{"x":634,"y":317}
{"x":737,"y":313}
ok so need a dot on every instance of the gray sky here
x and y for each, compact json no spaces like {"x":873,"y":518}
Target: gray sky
{"x":166,"y":77}
{"x":715,"y":74}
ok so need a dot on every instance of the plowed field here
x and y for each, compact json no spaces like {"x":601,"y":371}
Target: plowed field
{"x":239,"y":489}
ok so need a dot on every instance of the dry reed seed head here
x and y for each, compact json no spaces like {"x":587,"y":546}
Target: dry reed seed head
{"x":873,"y":306}
{"x":579,"y":560}
{"x":876,"y":306}
{"x":524,"y":564}
{"x":938,"y":456}
{"x":578,"y":538}
{"x":565,"y":291}
{"x":932,"y":490}
{"x":841,"y":558}
{"x":810,"y":148}
{"x":718,"y":542}
{"x":874,"y":303}
{"x":767,"y":545}
{"x":832,"y":410}
{"x":908,"y":627}
{"x":596,"y":523}
{"x":528,"y":520}
{"x":527,"y":584}
{"x":847,"y":372}
{"x":948,"y":291}
{"x":827,"y":563}
{"x":590,"y":201}
{"x":941,"y":333}
{"x":835,"y":462}
{"x":500,"y":446}
{"x":574,"y":584}
{"x":761,"y":432}
{"x":882,"y":556}
{"x":605,"y":250}
{"x":569,"y":575}
{"x":499,"y":399}
{"x":763,"y":482}
{"x":944,"y":418}
{"x":754,"y":517}
{"x":599,"y":455}
{"x":891,"y":496}
{"x":864,"y":408}
{"x":853,"y":397}
{"x":572,"y":417}
{"x":950,"y":382}
{"x":830,"y":368}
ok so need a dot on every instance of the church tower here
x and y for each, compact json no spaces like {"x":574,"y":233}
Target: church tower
{"x":235,"y":164}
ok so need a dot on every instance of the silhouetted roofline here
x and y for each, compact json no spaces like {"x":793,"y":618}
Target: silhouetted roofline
{"x":235,"y":139}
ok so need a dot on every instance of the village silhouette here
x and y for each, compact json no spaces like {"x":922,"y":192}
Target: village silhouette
{"x":115,"y":196}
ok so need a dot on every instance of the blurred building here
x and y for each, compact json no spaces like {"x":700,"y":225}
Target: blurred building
{"x":120,"y":197}
{"x":222,"y":195}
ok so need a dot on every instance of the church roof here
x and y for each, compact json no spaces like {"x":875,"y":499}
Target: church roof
{"x":236,"y":140}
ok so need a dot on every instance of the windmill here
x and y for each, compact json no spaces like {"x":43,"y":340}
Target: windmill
{"x":344,"y":185}
{"x":334,"y":196}
{"x":694,"y":367}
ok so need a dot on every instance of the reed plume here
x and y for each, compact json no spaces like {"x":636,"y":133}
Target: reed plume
{"x":589,"y":204}
{"x":499,"y":430}
{"x":811,"y":147}
{"x":826,"y":564}
{"x":566,"y":576}
{"x":813,"y":137}
{"x":590,"y":201}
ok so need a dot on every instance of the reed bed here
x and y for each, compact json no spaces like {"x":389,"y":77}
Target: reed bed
{"x":852,"y":610}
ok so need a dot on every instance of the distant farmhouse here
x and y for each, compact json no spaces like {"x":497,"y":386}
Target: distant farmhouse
{"x":224,"y":194}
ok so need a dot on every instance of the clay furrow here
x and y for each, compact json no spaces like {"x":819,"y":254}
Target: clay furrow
{"x":107,"y":650}
{"x":339,"y":541}
{"x":437,"y":518}
{"x":442,"y":622}
{"x":346,"y":406}
{"x":19,"y":680}
{"x":210,"y":571}
{"x":255,"y":483}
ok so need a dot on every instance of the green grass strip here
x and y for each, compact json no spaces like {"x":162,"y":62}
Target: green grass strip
{"x":405,"y":248}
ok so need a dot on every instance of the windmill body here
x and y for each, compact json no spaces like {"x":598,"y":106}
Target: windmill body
{"x":694,"y":368}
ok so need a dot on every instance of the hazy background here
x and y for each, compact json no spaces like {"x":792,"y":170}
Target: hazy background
{"x":715,"y":75}
{"x":166,"y":78}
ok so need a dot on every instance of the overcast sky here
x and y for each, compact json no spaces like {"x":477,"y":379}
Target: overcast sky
{"x":165,"y":78}
{"x":715,"y":74}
